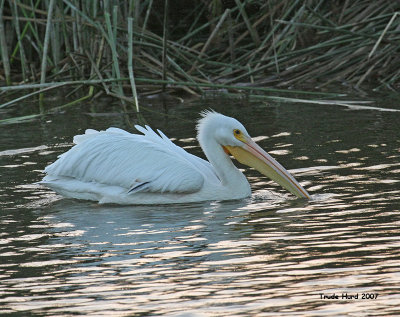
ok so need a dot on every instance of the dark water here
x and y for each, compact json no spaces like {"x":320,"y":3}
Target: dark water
{"x":269,"y":255}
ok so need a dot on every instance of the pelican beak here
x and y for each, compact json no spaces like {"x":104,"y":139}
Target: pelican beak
{"x":254,"y":156}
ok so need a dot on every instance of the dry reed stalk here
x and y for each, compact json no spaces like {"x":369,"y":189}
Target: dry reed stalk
{"x":45,"y":49}
{"x":4,"y":49}
{"x":130,"y":67}
{"x":165,"y":43}
{"x":268,"y":44}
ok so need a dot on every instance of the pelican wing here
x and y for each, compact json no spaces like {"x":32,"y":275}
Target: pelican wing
{"x":148,"y":162}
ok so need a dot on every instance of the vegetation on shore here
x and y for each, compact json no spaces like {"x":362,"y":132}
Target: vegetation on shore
{"x":130,"y":48}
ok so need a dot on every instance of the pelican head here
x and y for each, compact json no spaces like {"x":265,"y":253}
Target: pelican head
{"x":216,"y":130}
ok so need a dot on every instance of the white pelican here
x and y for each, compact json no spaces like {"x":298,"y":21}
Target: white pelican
{"x":115,"y":166}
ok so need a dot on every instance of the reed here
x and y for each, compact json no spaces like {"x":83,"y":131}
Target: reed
{"x":130,"y":68}
{"x":21,"y":50}
{"x":46,"y":47}
{"x":165,"y":43}
{"x":129,"y":48}
{"x":3,"y":46}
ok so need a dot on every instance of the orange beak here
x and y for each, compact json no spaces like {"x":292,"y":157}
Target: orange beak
{"x":251,"y":154}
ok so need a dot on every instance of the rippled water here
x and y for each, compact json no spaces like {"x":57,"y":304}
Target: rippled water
{"x":269,"y":255}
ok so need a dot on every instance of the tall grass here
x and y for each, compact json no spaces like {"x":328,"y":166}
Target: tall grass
{"x":128,"y":48}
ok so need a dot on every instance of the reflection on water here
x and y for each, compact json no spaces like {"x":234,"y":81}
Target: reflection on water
{"x":268,"y":255}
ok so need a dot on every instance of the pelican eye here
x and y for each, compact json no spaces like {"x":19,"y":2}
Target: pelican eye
{"x":237,"y":132}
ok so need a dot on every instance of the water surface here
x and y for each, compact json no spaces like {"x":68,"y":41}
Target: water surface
{"x":268,"y":255}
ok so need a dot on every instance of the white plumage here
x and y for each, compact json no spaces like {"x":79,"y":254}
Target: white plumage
{"x":115,"y":166}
